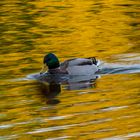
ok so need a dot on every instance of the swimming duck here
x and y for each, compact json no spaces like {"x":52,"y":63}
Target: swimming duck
{"x":77,"y":66}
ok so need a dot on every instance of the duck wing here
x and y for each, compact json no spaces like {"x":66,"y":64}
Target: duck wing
{"x":82,"y":61}
{"x":78,"y":62}
{"x":80,"y":66}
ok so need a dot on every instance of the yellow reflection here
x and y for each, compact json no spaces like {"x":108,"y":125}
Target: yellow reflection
{"x":69,"y":28}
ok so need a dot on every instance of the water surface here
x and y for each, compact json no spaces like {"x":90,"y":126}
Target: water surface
{"x":105,"y":108}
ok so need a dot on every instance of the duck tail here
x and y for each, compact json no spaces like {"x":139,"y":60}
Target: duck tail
{"x":94,"y":60}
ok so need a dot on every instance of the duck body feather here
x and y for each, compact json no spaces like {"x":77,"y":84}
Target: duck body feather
{"x":79,"y":66}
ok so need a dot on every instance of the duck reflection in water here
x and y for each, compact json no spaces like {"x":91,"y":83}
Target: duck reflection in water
{"x":51,"y":85}
{"x":50,"y":91}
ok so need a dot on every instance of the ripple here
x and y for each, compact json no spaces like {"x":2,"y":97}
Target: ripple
{"x":55,"y":128}
{"x":125,"y":137}
{"x":59,"y":138}
{"x":113,"y":68}
{"x":113,"y":108}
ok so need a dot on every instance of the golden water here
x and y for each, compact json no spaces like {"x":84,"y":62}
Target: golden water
{"x":106,"y":110}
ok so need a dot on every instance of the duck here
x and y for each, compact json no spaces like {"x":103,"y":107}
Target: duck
{"x":75,"y":66}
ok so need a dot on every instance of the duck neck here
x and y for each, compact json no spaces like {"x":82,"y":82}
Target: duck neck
{"x":54,"y":71}
{"x":57,"y":71}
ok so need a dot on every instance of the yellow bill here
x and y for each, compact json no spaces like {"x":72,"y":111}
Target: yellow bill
{"x":44,"y":69}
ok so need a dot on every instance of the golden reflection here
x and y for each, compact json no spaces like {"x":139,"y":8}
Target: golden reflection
{"x":98,"y":113}
{"x":69,"y":28}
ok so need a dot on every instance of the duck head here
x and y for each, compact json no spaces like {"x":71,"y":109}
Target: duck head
{"x":50,"y":61}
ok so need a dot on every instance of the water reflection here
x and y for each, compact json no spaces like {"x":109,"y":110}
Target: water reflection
{"x":15,"y":30}
{"x":71,"y":29}
{"x":50,"y":86}
{"x":50,"y":92}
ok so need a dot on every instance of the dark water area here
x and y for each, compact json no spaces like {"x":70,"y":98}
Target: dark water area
{"x":104,"y":106}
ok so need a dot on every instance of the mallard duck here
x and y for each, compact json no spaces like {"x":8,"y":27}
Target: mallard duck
{"x":77,"y":66}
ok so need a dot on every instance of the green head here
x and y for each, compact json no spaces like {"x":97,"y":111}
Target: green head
{"x":51,"y":61}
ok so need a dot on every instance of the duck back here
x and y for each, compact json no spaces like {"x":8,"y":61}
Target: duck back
{"x":79,"y":62}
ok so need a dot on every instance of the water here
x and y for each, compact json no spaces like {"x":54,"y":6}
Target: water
{"x":105,"y":107}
